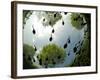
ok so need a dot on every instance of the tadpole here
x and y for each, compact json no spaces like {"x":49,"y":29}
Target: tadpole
{"x":50,"y":39}
{"x":34,"y":32}
{"x":65,"y":45}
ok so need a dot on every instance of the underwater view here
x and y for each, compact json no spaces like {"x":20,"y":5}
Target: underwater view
{"x":54,"y":39}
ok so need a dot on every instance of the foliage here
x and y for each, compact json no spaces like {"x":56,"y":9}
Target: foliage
{"x":76,"y":20}
{"x":28,"y":53}
{"x":84,"y":59}
{"x":29,"y":50}
{"x":26,"y":15}
{"x":52,"y":18}
{"x":51,"y":54}
{"x":49,"y":18}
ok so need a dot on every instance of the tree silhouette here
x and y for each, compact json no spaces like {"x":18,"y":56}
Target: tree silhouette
{"x":77,"y":20}
{"x":51,"y":54}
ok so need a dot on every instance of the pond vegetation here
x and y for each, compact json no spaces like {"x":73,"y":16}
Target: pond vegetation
{"x":84,"y":57}
{"x":48,"y":18}
{"x":51,"y":54}
{"x":26,"y":15}
{"x":28,"y":53}
{"x":77,"y":20}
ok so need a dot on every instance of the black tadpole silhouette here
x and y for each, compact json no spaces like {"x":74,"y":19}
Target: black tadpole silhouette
{"x":54,"y":15}
{"x":38,"y":56}
{"x":69,"y":40}
{"x":75,"y":19}
{"x":79,"y":17}
{"x":29,"y":58}
{"x":46,"y":59}
{"x":53,"y":62}
{"x":65,"y":13}
{"x":46,"y":66}
{"x":65,"y":45}
{"x":83,"y":24}
{"x":35,"y":48}
{"x":34,"y":32}
{"x":63,"y":23}
{"x":40,"y":62}
{"x":44,"y":19}
{"x":68,"y":53}
{"x":74,"y":49}
{"x":50,"y":39}
{"x":49,"y":22}
{"x":59,"y":57}
{"x":79,"y":42}
{"x":53,"y":30}
{"x":33,"y":60}
{"x":82,"y":43}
